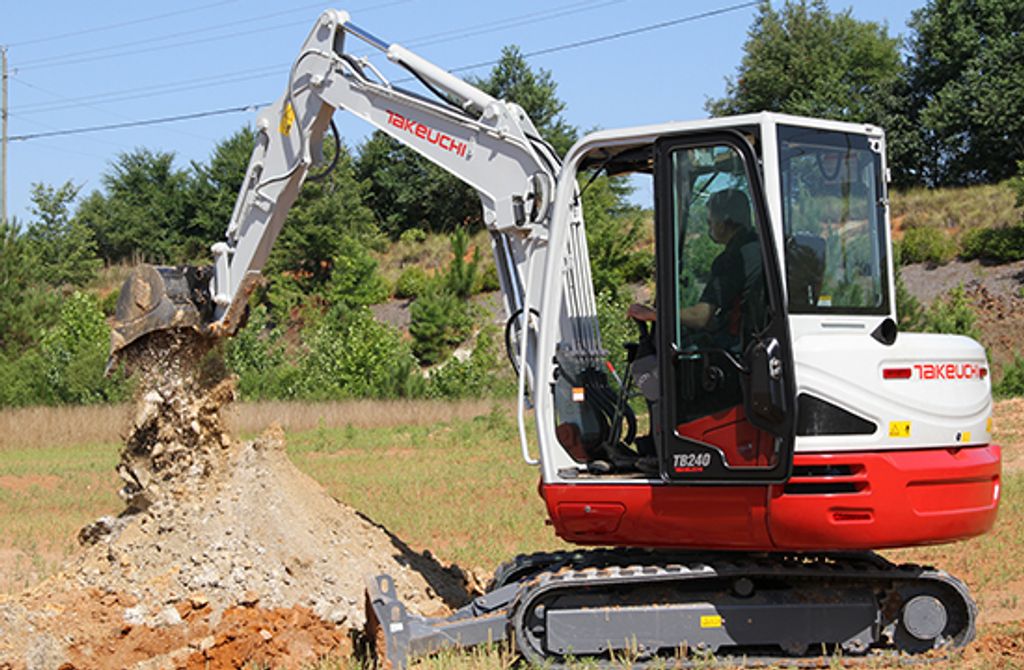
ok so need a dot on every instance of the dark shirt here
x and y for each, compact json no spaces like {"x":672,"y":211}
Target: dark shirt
{"x":734,"y":290}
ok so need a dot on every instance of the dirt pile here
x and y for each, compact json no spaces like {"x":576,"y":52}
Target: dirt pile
{"x":224,"y":550}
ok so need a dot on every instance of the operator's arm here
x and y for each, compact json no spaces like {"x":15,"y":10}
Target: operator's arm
{"x":696,"y":316}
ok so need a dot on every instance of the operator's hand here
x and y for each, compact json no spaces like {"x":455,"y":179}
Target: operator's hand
{"x":641,"y":312}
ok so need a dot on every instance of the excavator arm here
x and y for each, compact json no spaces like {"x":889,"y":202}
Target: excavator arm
{"x":490,"y":144}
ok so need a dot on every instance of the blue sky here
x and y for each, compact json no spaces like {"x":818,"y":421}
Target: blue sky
{"x":78,"y":64}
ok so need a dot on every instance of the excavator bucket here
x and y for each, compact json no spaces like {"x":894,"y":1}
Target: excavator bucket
{"x":155,"y":298}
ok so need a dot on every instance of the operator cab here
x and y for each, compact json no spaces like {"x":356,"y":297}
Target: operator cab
{"x":713,"y":370}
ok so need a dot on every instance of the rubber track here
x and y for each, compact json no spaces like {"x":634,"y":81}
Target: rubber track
{"x":552,"y":572}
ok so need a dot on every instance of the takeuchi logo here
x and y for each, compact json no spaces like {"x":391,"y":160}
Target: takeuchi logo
{"x":949,"y":371}
{"x":443,"y":140}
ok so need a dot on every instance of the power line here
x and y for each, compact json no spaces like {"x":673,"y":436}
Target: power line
{"x":122,"y":24}
{"x":539,"y":52}
{"x":134,"y":124}
{"x":614,"y":36}
{"x":31,"y":118}
{"x":76,"y":57}
{"x":67,"y":57}
{"x":157,"y":90}
{"x":149,"y":91}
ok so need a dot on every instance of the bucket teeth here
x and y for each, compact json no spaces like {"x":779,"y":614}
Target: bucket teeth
{"x":155,"y":298}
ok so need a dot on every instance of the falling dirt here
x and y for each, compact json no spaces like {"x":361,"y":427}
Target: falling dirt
{"x":225,"y":554}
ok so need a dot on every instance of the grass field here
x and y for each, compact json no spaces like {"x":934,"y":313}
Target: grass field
{"x":443,"y":477}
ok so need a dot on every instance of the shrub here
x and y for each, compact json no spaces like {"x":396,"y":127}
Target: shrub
{"x":412,"y":283}
{"x":460,"y":278}
{"x":478,"y":376}
{"x":1002,"y":245}
{"x":351,"y":355}
{"x":413,"y":236}
{"x":616,"y":328}
{"x":613,"y":231}
{"x":74,"y":355}
{"x":488,"y":279}
{"x":440,"y":321}
{"x":21,"y":382}
{"x":909,"y":313}
{"x":952,"y":314}
{"x":354,"y":281}
{"x":1012,"y":383}
{"x":927,"y":245}
{"x":257,"y":356}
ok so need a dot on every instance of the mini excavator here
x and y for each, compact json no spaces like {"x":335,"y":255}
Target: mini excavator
{"x":792,"y":434}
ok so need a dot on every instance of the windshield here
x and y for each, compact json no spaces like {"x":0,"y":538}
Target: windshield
{"x":834,"y":218}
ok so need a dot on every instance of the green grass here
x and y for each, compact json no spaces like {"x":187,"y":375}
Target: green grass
{"x":458,"y":488}
{"x":957,"y":209}
{"x":987,"y":561}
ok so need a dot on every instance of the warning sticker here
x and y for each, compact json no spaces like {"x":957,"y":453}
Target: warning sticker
{"x":711,"y":621}
{"x":287,"y":119}
{"x":899,"y":429}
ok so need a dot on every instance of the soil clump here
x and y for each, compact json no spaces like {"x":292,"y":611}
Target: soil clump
{"x":225,"y":554}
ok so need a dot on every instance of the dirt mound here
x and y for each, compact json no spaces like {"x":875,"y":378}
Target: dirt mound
{"x":225,"y":552}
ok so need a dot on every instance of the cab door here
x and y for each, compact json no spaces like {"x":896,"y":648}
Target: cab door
{"x":726,"y":408}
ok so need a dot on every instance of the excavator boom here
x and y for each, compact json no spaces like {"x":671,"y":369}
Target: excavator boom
{"x":490,"y":144}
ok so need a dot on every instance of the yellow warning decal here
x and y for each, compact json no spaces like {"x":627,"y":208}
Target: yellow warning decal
{"x":899,"y":429}
{"x":988,"y":425}
{"x":711,"y":621}
{"x":287,"y":119}
{"x":965,"y":436}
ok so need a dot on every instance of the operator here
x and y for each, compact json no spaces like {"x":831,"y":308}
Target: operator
{"x":735,"y":275}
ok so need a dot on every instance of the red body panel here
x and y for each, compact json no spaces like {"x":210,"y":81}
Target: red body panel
{"x":882,"y":499}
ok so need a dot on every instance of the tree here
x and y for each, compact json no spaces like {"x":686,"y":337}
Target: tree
{"x":324,"y":246}
{"x":535,"y":91}
{"x":966,"y":84}
{"x":214,"y":188}
{"x":26,"y":306}
{"x":145,"y":211}
{"x":63,"y":249}
{"x":408,"y":191}
{"x":74,"y":355}
{"x":803,"y":59}
{"x":613,"y":231}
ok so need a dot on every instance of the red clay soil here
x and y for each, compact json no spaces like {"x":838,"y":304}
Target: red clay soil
{"x":242,"y":636}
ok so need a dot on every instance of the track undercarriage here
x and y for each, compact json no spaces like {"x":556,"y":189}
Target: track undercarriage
{"x":645,"y":605}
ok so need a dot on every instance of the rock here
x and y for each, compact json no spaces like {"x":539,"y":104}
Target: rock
{"x":135,"y":616}
{"x":249,"y":599}
{"x":169,"y":616}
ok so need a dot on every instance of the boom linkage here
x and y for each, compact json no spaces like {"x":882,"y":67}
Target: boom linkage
{"x":489,"y":144}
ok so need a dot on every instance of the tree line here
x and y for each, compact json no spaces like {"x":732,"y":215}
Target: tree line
{"x":310,"y":333}
{"x":949,"y":95}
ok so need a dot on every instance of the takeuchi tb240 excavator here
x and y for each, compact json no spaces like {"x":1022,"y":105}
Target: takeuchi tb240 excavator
{"x":792,"y":429}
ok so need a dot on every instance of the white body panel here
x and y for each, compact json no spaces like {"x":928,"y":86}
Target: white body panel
{"x":846,"y":369}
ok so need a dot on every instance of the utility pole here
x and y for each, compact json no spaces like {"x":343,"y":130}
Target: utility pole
{"x":3,"y":161}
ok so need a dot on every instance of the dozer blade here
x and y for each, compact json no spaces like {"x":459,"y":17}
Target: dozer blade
{"x":155,"y":298}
